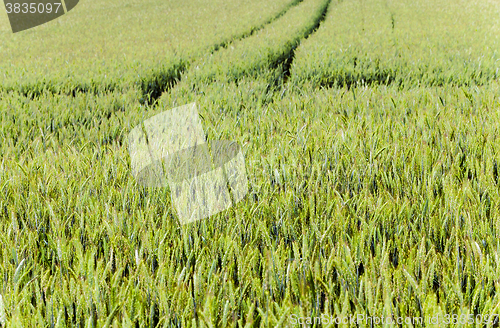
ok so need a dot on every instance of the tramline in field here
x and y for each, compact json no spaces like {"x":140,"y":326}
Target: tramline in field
{"x":369,"y":134}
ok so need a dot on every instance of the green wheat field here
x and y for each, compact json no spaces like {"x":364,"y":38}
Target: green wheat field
{"x":371,"y":136}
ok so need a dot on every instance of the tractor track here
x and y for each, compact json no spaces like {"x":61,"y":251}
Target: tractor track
{"x":281,"y":65}
{"x":287,"y":64}
{"x":152,"y":86}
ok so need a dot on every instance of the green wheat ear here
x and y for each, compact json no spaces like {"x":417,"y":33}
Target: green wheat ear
{"x":3,"y":316}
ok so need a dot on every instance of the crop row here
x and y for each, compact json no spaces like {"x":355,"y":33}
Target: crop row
{"x":408,"y":43}
{"x":269,"y":48}
{"x":107,"y":46}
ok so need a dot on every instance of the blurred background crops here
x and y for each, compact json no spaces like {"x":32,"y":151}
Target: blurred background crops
{"x":374,"y":188}
{"x":109,"y":44}
{"x":408,"y":43}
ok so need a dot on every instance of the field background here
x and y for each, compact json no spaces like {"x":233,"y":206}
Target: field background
{"x":369,"y":129}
